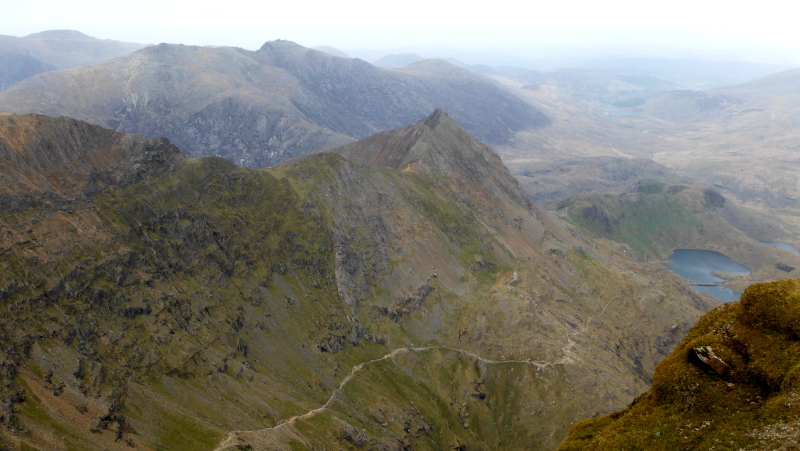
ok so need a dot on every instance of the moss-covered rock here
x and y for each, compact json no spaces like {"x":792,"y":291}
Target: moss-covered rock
{"x":773,"y":306}
{"x":690,"y":406}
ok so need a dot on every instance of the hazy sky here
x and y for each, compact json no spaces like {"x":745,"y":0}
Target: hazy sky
{"x":752,"y":30}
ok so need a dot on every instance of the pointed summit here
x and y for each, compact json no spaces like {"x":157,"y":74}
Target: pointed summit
{"x":437,"y":145}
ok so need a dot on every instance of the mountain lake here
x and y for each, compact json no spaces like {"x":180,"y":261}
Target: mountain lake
{"x":697,"y":265}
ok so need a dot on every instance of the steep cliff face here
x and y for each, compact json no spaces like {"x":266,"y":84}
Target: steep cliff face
{"x":323,"y":303}
{"x":730,"y":384}
{"x":261,"y":108}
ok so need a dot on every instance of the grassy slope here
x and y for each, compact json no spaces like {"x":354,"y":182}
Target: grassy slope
{"x":690,"y":407}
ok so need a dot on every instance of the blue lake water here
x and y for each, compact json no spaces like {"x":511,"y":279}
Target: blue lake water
{"x":697,"y":266}
{"x":721,"y":293}
{"x":788,"y":247}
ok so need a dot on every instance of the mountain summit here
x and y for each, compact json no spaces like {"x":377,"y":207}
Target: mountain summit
{"x":437,"y":145}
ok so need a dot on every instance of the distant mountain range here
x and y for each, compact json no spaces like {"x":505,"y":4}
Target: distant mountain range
{"x":260,"y":108}
{"x":21,"y":57}
{"x":778,"y":93}
{"x":16,"y":65}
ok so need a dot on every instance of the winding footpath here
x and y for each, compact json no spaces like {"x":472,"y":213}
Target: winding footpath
{"x":231,"y":439}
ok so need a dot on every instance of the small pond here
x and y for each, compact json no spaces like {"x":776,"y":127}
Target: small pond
{"x":697,"y":266}
{"x":788,"y":247}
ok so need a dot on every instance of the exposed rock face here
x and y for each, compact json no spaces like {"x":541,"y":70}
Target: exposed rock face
{"x":705,"y":354}
{"x":67,"y":157}
{"x":753,"y":406}
{"x":261,"y":108}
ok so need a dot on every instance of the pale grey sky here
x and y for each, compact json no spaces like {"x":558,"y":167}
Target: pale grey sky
{"x":763,"y":30}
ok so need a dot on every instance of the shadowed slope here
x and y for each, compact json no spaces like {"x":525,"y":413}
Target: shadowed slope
{"x":16,"y":65}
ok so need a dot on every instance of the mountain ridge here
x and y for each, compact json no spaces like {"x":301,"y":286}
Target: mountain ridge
{"x":261,"y":108}
{"x":57,"y":162}
{"x":137,"y":314}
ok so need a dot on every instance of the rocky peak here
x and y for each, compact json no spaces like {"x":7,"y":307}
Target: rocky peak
{"x":438,"y":145}
{"x":435,"y":118}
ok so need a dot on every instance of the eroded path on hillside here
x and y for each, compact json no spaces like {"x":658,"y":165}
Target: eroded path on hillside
{"x":231,"y":439}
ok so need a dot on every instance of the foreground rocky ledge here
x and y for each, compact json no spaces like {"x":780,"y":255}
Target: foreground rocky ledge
{"x":753,"y":405}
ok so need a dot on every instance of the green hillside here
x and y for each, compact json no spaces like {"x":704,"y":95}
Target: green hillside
{"x":655,"y":218}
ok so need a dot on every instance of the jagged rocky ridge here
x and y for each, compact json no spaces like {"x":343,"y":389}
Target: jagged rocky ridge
{"x":260,"y":108}
{"x":323,"y":303}
{"x":68,"y":161}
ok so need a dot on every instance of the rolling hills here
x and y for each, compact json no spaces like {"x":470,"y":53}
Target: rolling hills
{"x":740,"y":140}
{"x":743,"y":137}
